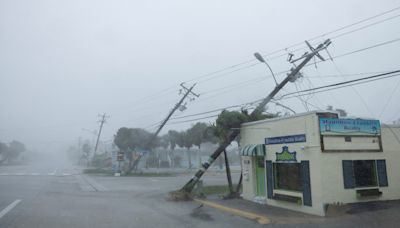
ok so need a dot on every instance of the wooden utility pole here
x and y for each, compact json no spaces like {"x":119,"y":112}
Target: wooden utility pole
{"x":292,"y":76}
{"x":102,"y":121}
{"x":178,"y":105}
{"x":228,"y":173}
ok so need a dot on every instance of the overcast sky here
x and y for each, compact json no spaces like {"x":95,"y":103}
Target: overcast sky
{"x":64,"y":62}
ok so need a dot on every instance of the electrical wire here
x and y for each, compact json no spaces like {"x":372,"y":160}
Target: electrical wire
{"x":208,"y":78}
{"x":342,"y":84}
{"x":336,"y":36}
{"x":333,"y":57}
{"x":360,"y":50}
{"x":390,"y":98}
{"x":310,"y":39}
{"x":186,"y":121}
{"x":354,"y":89}
{"x":202,"y":113}
{"x":287,"y":96}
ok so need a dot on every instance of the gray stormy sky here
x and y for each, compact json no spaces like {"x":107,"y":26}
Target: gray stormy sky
{"x":64,"y":62}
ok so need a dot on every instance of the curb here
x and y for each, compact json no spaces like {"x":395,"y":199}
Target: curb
{"x":259,"y":218}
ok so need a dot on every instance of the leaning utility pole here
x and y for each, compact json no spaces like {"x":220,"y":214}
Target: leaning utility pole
{"x":178,"y":105}
{"x":102,"y":121}
{"x":228,"y":173}
{"x":292,"y":76}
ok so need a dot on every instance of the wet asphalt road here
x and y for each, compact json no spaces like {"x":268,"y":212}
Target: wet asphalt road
{"x":52,"y":196}
{"x":61,"y":197}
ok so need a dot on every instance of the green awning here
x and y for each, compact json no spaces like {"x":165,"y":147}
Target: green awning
{"x":253,"y":150}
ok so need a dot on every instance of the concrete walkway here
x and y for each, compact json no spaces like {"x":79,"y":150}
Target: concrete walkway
{"x":373,"y":214}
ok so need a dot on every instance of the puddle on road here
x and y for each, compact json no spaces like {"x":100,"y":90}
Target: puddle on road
{"x":201,"y":214}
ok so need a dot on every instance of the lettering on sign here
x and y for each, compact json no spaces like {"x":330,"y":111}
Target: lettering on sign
{"x":333,"y":126}
{"x":286,"y":139}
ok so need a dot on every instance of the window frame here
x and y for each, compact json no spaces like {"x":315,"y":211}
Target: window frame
{"x":374,"y":174}
{"x":276,"y":179}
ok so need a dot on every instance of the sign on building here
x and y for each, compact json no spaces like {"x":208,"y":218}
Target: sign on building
{"x":120,"y":156}
{"x":333,"y":126}
{"x":286,"y":139}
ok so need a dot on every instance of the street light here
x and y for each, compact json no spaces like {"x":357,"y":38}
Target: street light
{"x":261,"y":59}
{"x":284,"y":106}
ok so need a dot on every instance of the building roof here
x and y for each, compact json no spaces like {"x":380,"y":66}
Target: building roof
{"x":288,"y":117}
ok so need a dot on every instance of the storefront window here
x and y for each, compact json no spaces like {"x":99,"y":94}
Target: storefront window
{"x":365,"y":173}
{"x":288,"y":176}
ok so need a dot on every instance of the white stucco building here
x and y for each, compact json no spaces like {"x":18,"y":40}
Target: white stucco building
{"x":307,"y":161}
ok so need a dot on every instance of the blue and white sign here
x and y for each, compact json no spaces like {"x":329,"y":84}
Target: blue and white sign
{"x":332,"y":126}
{"x":286,"y":139}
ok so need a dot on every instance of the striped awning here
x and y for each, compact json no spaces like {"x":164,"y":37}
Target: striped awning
{"x":253,"y":150}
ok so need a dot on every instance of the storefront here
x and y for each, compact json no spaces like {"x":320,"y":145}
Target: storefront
{"x":307,"y":161}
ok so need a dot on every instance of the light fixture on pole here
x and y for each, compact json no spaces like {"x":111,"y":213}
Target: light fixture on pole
{"x":261,"y":59}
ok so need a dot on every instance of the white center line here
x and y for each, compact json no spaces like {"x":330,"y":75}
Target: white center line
{"x":152,"y":179}
{"x":9,"y":208}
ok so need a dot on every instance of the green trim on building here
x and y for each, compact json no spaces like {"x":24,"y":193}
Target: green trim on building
{"x":253,"y":150}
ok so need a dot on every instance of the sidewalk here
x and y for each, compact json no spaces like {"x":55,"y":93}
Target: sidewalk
{"x":274,"y":214}
{"x":362,"y":213}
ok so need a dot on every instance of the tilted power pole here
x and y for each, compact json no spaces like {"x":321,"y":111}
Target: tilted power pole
{"x":178,"y":105}
{"x":188,"y":187}
{"x":102,"y":121}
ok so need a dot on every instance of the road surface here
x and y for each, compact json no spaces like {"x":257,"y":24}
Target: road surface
{"x":46,"y":195}
{"x":43,"y":195}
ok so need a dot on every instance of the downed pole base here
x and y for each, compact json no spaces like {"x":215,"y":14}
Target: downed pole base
{"x":179,"y":195}
{"x":232,"y":195}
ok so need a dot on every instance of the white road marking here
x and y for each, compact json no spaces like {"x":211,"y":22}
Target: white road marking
{"x":35,"y":174}
{"x":9,"y":208}
{"x":84,"y":185}
{"x":98,"y":187}
{"x":152,"y":179}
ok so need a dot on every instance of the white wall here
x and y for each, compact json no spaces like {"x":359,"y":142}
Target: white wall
{"x":334,"y":142}
{"x":332,"y":171}
{"x":326,"y":171}
{"x":248,"y":182}
{"x":255,"y":133}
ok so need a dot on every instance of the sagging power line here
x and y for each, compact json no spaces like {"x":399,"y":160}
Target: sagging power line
{"x":233,"y":66}
{"x":289,"y":95}
{"x":188,"y":187}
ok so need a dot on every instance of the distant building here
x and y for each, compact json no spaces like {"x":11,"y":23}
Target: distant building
{"x":307,"y":161}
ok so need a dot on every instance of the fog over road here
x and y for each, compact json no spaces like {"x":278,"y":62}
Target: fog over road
{"x":46,"y":194}
{"x":51,"y":194}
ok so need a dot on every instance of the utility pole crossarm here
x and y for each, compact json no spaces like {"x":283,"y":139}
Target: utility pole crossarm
{"x":291,"y":76}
